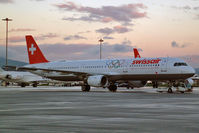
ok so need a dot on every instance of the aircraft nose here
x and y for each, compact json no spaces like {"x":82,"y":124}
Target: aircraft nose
{"x":192,"y":70}
{"x":188,"y":70}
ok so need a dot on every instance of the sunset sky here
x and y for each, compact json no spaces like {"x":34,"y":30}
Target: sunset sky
{"x":67,"y":29}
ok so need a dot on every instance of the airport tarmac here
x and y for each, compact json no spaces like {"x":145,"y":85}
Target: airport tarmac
{"x":59,"y":109}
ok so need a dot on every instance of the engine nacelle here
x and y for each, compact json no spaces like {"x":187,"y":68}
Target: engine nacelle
{"x":97,"y":81}
{"x":137,"y":83}
{"x":8,"y":76}
{"x":12,"y":77}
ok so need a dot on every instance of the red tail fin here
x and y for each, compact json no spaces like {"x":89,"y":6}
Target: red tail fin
{"x":34,"y":53}
{"x":136,"y":53}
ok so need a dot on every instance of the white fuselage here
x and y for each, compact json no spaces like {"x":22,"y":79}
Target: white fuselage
{"x":119,"y":69}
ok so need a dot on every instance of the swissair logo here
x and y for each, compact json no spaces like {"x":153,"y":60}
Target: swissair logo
{"x":145,"y":61}
{"x":32,"y":49}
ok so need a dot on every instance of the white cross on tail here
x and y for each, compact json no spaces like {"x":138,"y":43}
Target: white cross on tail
{"x":32,"y":49}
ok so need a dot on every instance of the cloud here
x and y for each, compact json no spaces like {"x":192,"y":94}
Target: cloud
{"x":105,"y":31}
{"x":116,"y":29}
{"x":84,"y":18}
{"x":108,"y":38}
{"x":196,"y":8}
{"x":120,"y":48}
{"x":45,"y":36}
{"x":123,"y":14}
{"x":186,"y":8}
{"x":182,"y":7}
{"x":21,"y":30}
{"x":121,"y":29}
{"x":74,"y":37}
{"x":37,"y":0}
{"x":16,"y":39}
{"x":6,"y":1}
{"x":126,"y":42}
{"x":83,"y":32}
{"x":174,"y":44}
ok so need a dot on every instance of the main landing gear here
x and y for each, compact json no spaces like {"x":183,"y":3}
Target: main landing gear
{"x":155,"y":84}
{"x":86,"y":88}
{"x":34,"y":84}
{"x":112,"y":88}
{"x":170,"y":90}
{"x":23,"y":84}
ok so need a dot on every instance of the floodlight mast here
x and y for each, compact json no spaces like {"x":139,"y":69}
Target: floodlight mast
{"x":101,"y":41}
{"x":7,"y":20}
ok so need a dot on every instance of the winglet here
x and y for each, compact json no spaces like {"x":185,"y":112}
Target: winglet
{"x":34,"y":53}
{"x":136,"y":53}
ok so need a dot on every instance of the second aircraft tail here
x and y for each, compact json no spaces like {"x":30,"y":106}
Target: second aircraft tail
{"x":136,"y":53}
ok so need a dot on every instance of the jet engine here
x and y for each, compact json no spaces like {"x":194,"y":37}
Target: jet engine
{"x":12,"y":77}
{"x":8,"y":76}
{"x":137,"y":83}
{"x":97,"y":81}
{"x":189,"y":82}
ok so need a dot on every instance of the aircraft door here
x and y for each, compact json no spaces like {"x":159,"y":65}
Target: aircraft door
{"x":163,"y":65}
{"x":124,"y":65}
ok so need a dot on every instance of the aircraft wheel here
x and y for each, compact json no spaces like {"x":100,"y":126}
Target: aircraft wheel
{"x":155,"y":84}
{"x":23,"y":85}
{"x":86,"y":88}
{"x":112,"y":88}
{"x":170,"y":90}
{"x":190,"y":90}
{"x":34,"y":85}
{"x":7,"y":83}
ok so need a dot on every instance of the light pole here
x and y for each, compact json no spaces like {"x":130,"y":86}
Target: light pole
{"x":7,"y":19}
{"x":101,"y":41}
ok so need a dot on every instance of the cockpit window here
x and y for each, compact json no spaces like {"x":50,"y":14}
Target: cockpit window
{"x":180,"y":64}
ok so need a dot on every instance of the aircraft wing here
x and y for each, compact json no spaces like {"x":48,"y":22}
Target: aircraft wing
{"x":51,"y":70}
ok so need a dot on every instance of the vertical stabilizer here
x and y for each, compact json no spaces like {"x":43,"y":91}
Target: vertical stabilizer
{"x":136,"y":53}
{"x":34,"y":53}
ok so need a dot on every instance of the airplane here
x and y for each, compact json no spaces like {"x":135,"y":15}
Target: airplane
{"x":22,"y":78}
{"x":107,"y":72}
